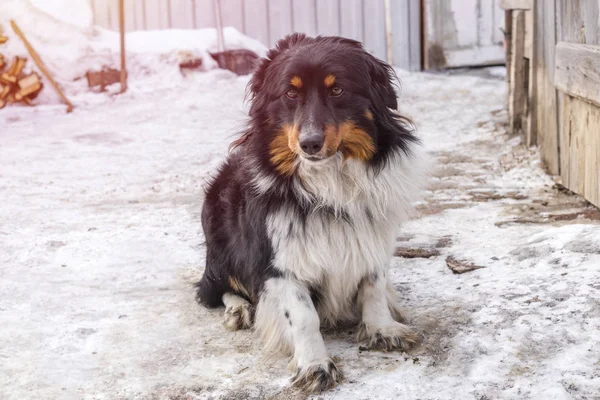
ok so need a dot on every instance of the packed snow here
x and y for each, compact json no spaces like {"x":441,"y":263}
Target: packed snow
{"x":100,"y":242}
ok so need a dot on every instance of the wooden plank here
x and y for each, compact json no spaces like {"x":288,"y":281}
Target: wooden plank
{"x":140,"y":15}
{"x":374,"y":28}
{"x":414,"y":35}
{"x":576,"y":146}
{"x":591,"y":131}
{"x":563,"y":135}
{"x":135,"y":16}
{"x":545,"y":97}
{"x":475,"y":55}
{"x":569,"y":22}
{"x":131,"y":16}
{"x":182,"y":14}
{"x":577,"y":70}
{"x":351,"y":19}
{"x":531,"y":119}
{"x":204,"y":14}
{"x":485,"y":23}
{"x":582,"y":122}
{"x":256,"y":20}
{"x":580,"y":21}
{"x":517,"y":94}
{"x":157,"y":14}
{"x":516,"y":4}
{"x":499,"y":24}
{"x":451,"y":37}
{"x":528,"y":34}
{"x":113,"y":12}
{"x":508,"y":40}
{"x":304,"y":17}
{"x":591,"y":21}
{"x":451,"y":23}
{"x":328,"y":17}
{"x":280,"y":15}
{"x":101,"y":13}
{"x":576,"y":77}
{"x":566,"y":29}
{"x":400,"y":40}
{"x":463,"y":14}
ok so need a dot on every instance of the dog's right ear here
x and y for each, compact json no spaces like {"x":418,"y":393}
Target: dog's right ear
{"x":382,"y":76}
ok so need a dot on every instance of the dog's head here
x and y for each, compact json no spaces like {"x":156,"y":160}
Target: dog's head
{"x":316,"y":97}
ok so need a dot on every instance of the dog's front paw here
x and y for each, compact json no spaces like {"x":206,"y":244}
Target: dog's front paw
{"x":318,"y":377}
{"x":390,"y":337}
{"x":238,"y":317}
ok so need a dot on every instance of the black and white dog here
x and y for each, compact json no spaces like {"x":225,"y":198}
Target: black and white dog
{"x":300,"y":220}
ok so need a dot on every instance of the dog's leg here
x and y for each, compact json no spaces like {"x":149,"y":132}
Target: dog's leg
{"x":379,"y":327}
{"x":287,"y":320}
{"x":238,"y":312}
{"x":394,"y":303}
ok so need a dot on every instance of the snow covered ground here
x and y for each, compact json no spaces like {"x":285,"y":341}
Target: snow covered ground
{"x":100,"y":241}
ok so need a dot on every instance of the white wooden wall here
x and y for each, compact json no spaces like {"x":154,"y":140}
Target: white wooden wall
{"x":269,"y":20}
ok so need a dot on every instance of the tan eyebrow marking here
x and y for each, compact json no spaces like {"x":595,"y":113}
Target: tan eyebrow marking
{"x":329,"y":80}
{"x":296,"y":82}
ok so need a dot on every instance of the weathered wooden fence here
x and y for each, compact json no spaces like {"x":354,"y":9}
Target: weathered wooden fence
{"x":562,"y":104}
{"x":459,"y":33}
{"x":269,"y":20}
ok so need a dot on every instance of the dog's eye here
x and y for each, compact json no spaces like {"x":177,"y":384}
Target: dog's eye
{"x":336,"y":91}
{"x":292,"y":94}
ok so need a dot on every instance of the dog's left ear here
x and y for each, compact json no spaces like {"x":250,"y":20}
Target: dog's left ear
{"x":259,"y":85}
{"x":382,"y":76}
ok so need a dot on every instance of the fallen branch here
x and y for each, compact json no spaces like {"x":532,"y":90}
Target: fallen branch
{"x":41,"y":66}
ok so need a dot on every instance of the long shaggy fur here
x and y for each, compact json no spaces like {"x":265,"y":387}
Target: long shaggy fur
{"x":304,"y":238}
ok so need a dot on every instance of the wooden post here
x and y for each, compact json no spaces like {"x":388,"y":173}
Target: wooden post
{"x":516,"y":101}
{"x":122,"y":31}
{"x":546,"y":105}
{"x":530,"y":123}
{"x":41,"y":66}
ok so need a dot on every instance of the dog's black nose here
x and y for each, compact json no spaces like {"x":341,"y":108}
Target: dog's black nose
{"x":312,"y":144}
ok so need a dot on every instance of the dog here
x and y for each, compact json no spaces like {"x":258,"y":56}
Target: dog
{"x":300,"y":219}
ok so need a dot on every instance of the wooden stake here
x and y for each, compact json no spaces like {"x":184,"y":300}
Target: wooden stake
{"x":122,"y":29}
{"x":516,"y":98}
{"x":41,"y":66}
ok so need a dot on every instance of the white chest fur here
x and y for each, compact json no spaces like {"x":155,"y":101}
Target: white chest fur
{"x":351,"y":231}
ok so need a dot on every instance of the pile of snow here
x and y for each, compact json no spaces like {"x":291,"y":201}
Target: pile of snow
{"x":62,"y":33}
